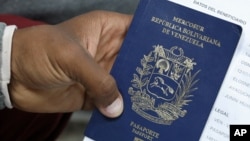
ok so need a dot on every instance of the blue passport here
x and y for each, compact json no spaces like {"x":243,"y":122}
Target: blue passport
{"x":169,"y":71}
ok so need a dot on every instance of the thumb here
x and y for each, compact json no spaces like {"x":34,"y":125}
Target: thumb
{"x":100,"y":86}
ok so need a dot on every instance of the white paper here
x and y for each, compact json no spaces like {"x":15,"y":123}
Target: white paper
{"x":87,"y":139}
{"x":232,"y":105}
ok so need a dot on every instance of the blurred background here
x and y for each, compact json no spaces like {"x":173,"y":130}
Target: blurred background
{"x":75,"y":128}
{"x":55,"y":11}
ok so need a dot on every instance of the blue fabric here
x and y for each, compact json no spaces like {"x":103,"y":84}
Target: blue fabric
{"x":2,"y":26}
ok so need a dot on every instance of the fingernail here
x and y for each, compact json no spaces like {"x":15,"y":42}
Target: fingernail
{"x":115,"y":109}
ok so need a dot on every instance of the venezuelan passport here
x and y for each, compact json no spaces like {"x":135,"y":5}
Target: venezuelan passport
{"x":169,"y":71}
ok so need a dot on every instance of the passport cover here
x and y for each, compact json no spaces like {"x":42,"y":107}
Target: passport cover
{"x":169,"y":71}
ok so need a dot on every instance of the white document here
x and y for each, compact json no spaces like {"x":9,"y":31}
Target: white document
{"x":87,"y":139}
{"x":232,"y":105}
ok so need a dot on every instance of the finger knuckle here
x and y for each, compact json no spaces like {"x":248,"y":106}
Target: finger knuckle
{"x":108,"y":86}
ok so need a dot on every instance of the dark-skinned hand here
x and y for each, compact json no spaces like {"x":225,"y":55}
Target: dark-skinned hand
{"x":65,"y":67}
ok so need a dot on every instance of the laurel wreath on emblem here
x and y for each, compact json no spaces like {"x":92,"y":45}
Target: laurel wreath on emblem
{"x":146,"y":105}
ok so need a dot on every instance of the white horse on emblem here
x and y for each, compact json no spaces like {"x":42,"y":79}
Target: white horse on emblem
{"x":159,"y":83}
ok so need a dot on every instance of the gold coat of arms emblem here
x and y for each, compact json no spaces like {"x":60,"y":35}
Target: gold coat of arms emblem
{"x":162,"y":86}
